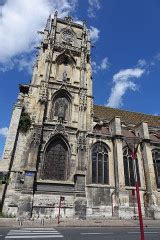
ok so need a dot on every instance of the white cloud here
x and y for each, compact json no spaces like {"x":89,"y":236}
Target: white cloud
{"x":157,"y":57}
{"x":78,"y":21}
{"x":123,"y":81}
{"x":156,"y":114}
{"x":94,"y":34}
{"x":20,"y":21}
{"x":125,"y":75}
{"x":149,"y":64}
{"x":104,"y":65}
{"x":22,"y":62}
{"x":4,"y":131}
{"x":94,"y":5}
{"x":142,"y":63}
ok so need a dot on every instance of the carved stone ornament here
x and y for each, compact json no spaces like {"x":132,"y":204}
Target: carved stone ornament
{"x":83,"y":60}
{"x":62,"y":46}
{"x":43,"y":92}
{"x":82,"y":141}
{"x":36,"y":137}
{"x":83,"y":100}
{"x":91,"y":108}
{"x":68,"y":19}
{"x":59,"y":129}
{"x":67,"y":35}
{"x":48,"y":57}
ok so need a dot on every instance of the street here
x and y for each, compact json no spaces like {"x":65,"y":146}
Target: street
{"x":81,"y":233}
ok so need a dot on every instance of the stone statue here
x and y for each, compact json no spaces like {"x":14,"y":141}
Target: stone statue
{"x":62,"y":109}
{"x":65,"y":76}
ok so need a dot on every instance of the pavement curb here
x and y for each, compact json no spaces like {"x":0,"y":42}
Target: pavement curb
{"x":77,"y":223}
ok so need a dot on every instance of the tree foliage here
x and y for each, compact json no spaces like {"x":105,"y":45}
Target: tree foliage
{"x":25,"y":122}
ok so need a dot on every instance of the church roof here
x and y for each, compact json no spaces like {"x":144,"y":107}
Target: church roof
{"x":107,"y":113}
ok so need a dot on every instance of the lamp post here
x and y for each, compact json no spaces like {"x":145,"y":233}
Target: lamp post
{"x":133,"y":144}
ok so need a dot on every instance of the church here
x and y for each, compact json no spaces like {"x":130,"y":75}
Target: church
{"x":61,"y":146}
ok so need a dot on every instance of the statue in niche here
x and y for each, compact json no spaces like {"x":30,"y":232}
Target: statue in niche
{"x":61,"y":108}
{"x":65,"y":76}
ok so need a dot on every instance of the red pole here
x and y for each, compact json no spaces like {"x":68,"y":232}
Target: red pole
{"x":133,"y":200}
{"x":140,"y":211}
{"x":138,"y":195}
{"x":59,"y":211}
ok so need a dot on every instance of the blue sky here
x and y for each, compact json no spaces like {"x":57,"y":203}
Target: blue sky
{"x":125,"y":57}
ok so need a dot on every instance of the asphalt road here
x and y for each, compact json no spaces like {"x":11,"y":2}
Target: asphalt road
{"x":101,"y":233}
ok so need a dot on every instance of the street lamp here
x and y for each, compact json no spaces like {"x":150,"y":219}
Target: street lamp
{"x":133,"y":144}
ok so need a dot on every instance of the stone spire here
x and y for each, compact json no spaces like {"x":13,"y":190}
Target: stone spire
{"x":47,"y":27}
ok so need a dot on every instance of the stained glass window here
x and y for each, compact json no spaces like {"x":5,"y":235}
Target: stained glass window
{"x":55,"y":165}
{"x":129,"y":168}
{"x":156,"y":161}
{"x":100,"y":171}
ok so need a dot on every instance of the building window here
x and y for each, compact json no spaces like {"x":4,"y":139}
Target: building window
{"x":56,"y":161}
{"x":100,"y":171}
{"x":156,"y":161}
{"x":129,"y":168}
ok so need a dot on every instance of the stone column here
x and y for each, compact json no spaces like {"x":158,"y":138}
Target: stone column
{"x":115,"y":125}
{"x":142,"y":131}
{"x":26,"y":201}
{"x":10,"y":145}
{"x":121,"y":195}
{"x":12,"y":134}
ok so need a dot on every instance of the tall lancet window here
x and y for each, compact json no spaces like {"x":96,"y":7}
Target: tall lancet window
{"x":100,"y":170}
{"x":156,"y":161}
{"x":129,"y":168}
{"x":56,"y":161}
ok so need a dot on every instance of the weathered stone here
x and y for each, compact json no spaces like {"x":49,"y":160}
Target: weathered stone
{"x":56,"y":158}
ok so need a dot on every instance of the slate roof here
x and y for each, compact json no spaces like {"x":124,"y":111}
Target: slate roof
{"x":107,"y":113}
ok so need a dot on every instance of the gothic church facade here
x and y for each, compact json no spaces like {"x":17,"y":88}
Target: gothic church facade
{"x":62,"y":145}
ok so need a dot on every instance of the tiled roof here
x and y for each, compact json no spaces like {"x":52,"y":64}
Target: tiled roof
{"x":154,"y":138}
{"x":107,"y":113}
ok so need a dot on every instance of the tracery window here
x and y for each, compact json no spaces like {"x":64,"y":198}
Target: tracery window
{"x":156,"y":161}
{"x":100,"y":170}
{"x":129,"y":168}
{"x":56,"y":161}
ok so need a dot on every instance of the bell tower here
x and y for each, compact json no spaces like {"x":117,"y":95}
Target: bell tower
{"x":51,"y":156}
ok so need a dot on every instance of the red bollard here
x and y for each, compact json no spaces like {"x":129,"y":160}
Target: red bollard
{"x":59,"y":211}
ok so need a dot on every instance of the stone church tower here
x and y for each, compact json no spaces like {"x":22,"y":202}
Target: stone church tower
{"x":51,"y":155}
{"x":60,"y":144}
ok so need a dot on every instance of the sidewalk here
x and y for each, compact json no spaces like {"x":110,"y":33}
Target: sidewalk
{"x":12,"y":222}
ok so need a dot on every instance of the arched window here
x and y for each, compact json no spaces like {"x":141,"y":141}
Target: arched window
{"x":129,"y":168}
{"x":56,"y":161}
{"x":100,"y":170}
{"x":156,"y":161}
